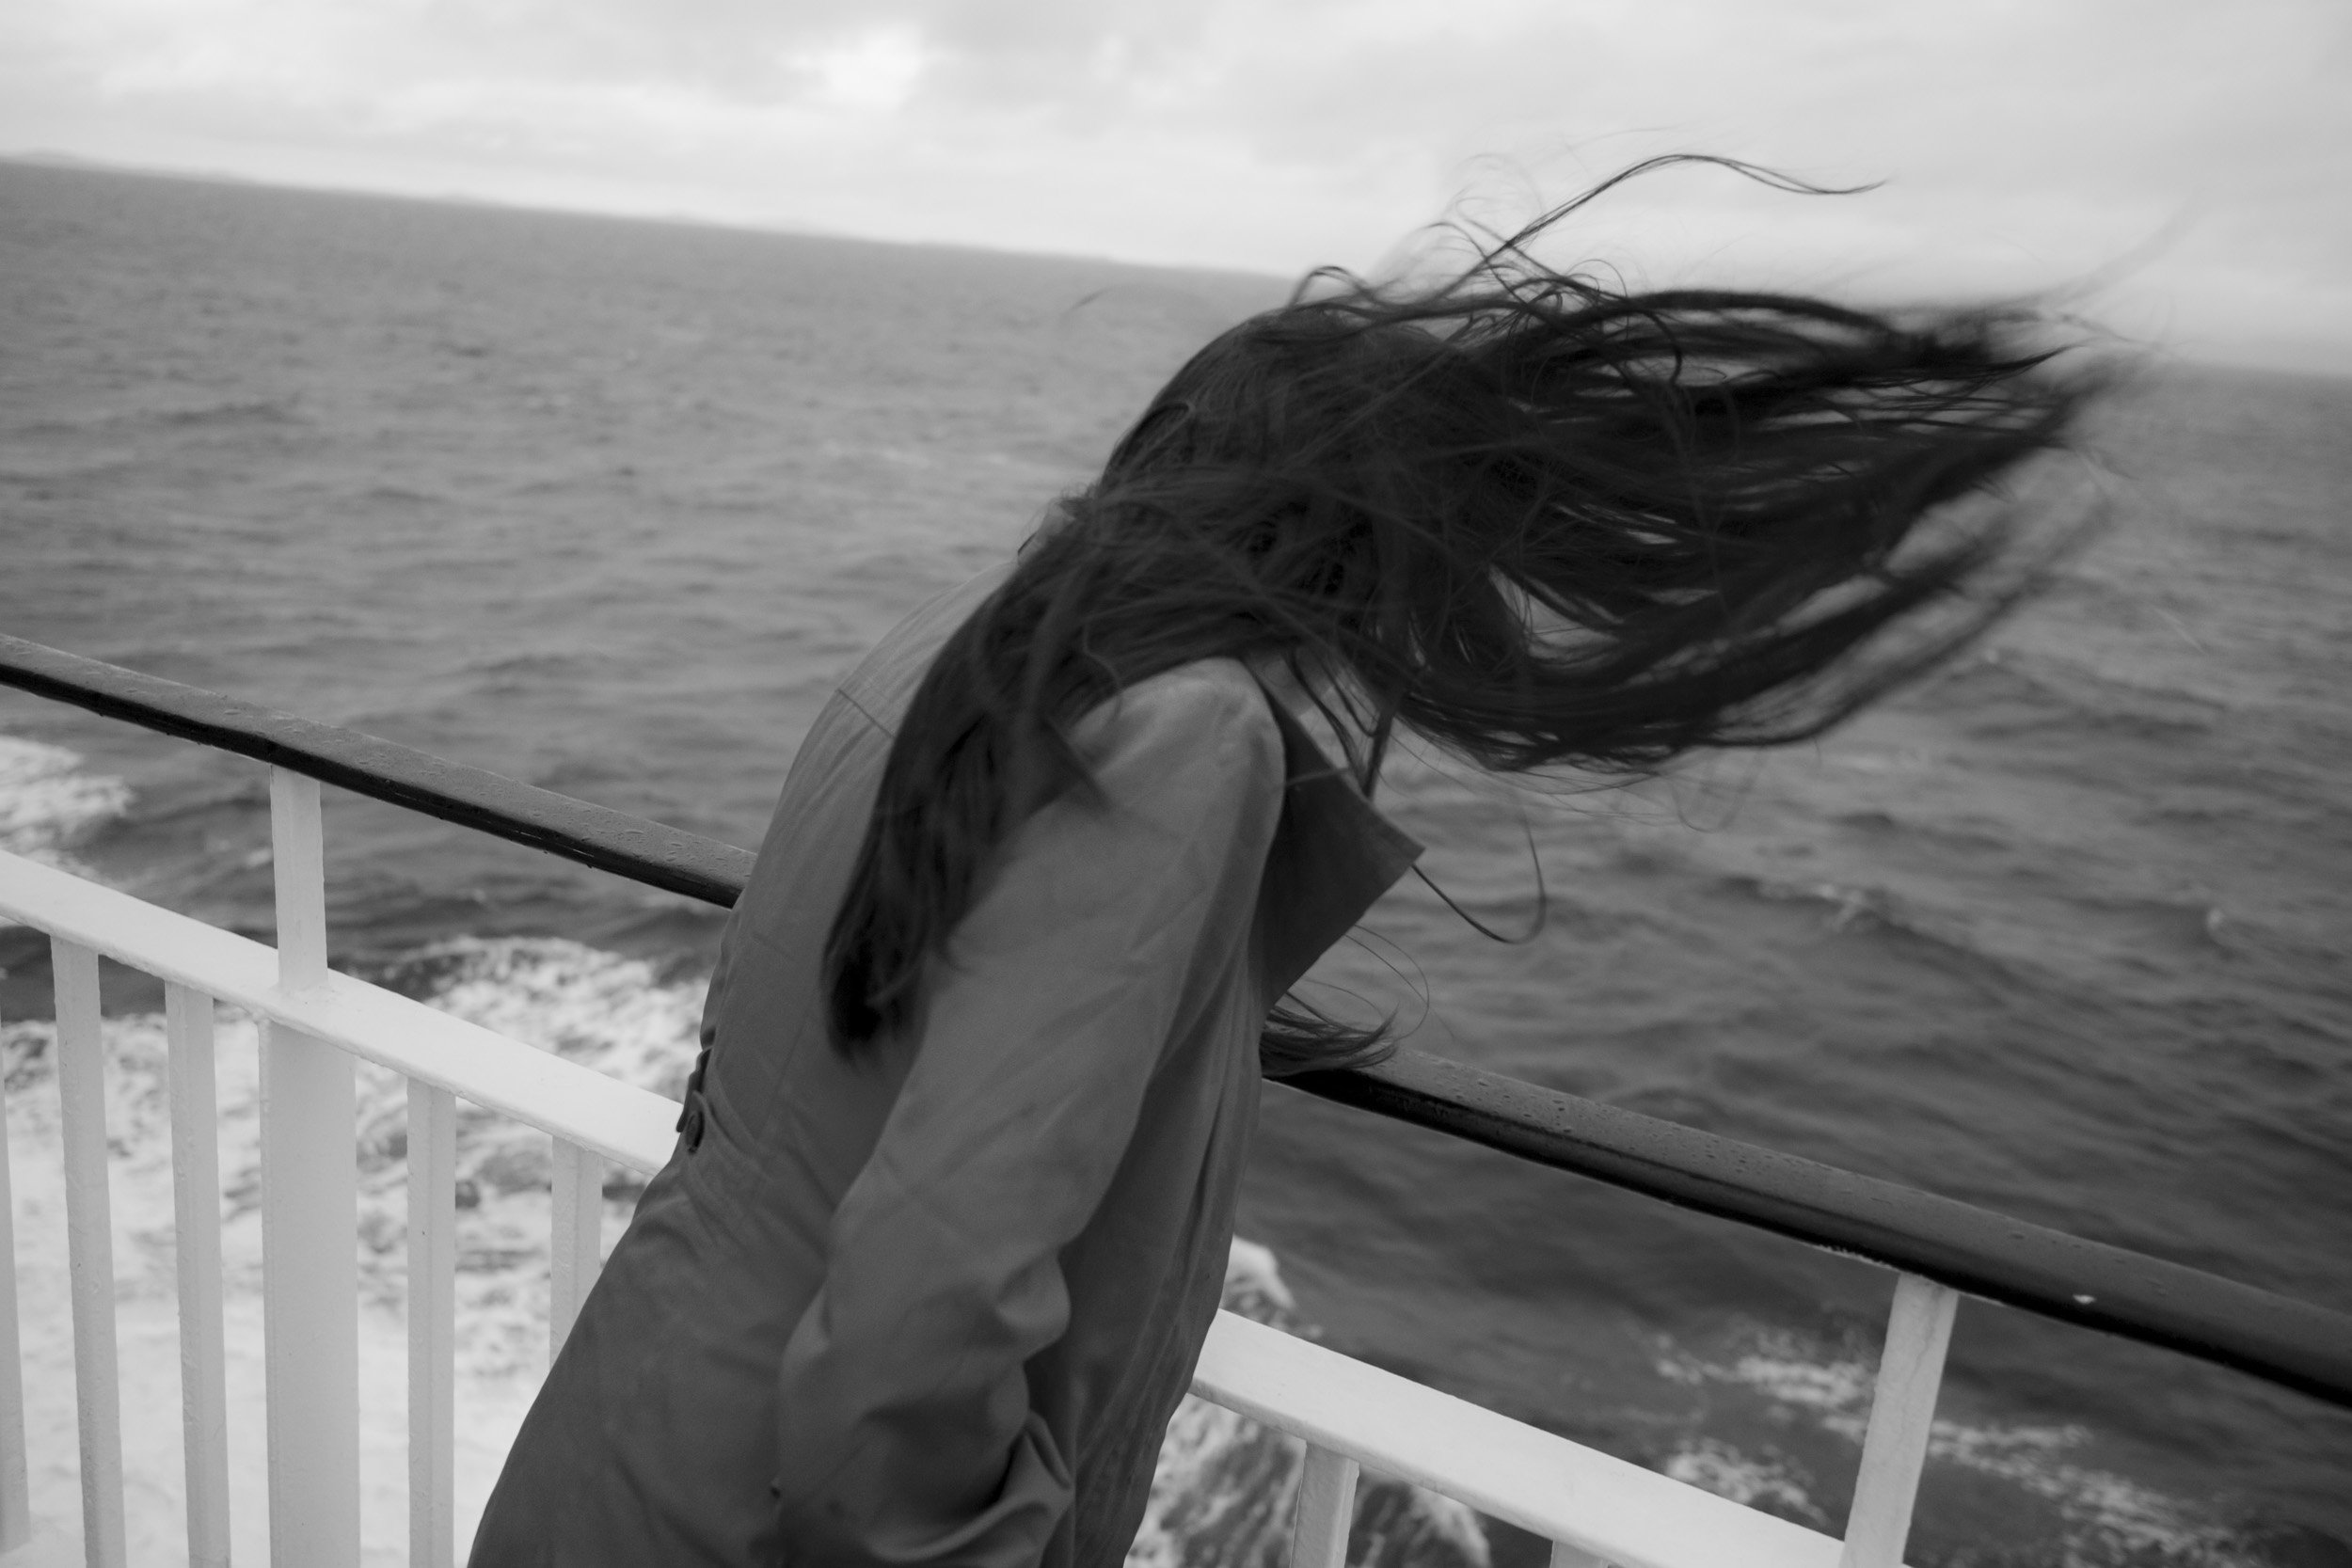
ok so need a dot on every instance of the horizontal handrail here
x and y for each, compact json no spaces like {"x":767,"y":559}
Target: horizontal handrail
{"x":2292,"y":1343}
{"x":470,"y":797}
{"x":1976,"y":1251}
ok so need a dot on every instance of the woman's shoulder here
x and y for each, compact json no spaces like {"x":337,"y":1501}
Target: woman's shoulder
{"x":1207,"y":716}
{"x":1207,"y":694}
{"x":1211,"y":687}
{"x":881,"y":685}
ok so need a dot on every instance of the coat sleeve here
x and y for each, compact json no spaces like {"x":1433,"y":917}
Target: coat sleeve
{"x":903,"y":1412}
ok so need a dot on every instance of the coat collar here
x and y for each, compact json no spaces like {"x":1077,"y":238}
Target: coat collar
{"x":1333,"y":856}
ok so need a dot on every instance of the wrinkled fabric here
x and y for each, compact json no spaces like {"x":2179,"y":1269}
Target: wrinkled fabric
{"x":935,"y":1305}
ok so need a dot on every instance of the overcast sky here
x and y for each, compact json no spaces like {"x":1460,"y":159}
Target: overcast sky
{"x":2195,"y":154}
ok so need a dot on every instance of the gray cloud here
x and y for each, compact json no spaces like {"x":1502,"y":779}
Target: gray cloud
{"x":2023,"y":142}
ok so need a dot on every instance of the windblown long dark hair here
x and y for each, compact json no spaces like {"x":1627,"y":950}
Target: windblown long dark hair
{"x":1537,"y":521}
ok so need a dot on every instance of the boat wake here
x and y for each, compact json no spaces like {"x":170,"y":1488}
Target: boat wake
{"x":2071,"y":1508}
{"x":1226,"y":1486}
{"x":48,"y":804}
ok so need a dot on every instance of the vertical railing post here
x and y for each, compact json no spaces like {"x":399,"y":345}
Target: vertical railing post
{"x":298,"y":868}
{"x":195,"y":1207}
{"x":16,"y":1500}
{"x":90,"y":1248}
{"x":309,"y":1217}
{"x":1326,"y":1507}
{"x":1902,"y":1414}
{"x":577,"y":1240}
{"x":432,"y":1325}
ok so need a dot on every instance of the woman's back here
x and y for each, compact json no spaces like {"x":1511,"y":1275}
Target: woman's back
{"x":862,"y":1280}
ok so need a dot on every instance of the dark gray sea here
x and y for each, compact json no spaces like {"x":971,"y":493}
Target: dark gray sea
{"x":608,"y":505}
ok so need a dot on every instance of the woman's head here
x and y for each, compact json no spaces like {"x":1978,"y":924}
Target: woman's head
{"x":1538,"y":521}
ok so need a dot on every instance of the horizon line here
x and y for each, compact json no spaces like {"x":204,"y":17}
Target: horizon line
{"x":2253,"y":357}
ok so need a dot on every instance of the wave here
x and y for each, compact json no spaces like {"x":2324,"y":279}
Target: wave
{"x":2145,"y":933}
{"x":1849,"y":906}
{"x":2096,"y":1514}
{"x":1957,"y":836}
{"x":1226,"y":1487}
{"x":1769,"y":1484}
{"x":606,"y":1011}
{"x":243,"y":411}
{"x":47,"y":804}
{"x":237,"y":411}
{"x":1865,"y":910}
{"x":2002,"y":693}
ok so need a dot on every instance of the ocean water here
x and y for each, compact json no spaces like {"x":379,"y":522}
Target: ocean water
{"x":607,"y":506}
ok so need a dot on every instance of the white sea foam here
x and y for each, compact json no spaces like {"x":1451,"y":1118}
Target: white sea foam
{"x":1770,"y":1484}
{"x":502,"y":1289}
{"x":47,"y":804}
{"x":1225,"y":1488}
{"x":599,"y":1008}
{"x":2107,"y":1517}
{"x":1252,"y":1270}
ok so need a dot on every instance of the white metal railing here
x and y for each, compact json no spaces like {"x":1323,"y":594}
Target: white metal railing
{"x":1352,"y":1417}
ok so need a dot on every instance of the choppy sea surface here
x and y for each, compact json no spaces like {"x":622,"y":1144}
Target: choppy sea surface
{"x":607,"y":506}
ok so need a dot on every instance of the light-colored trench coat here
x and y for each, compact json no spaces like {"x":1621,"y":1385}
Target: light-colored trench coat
{"x":935,"y":1305}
